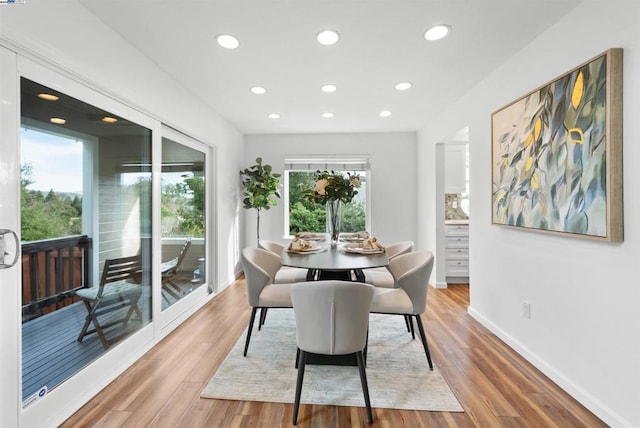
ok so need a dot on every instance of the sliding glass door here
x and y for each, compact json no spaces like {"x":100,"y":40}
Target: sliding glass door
{"x":85,"y":201}
{"x":184,"y":187}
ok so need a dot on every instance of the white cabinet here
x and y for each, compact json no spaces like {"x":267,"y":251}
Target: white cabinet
{"x":457,"y":252}
{"x":455,"y":165}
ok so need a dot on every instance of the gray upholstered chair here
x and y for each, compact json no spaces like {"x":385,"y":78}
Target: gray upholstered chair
{"x":332,"y":318}
{"x":260,"y":267}
{"x":411,"y":272}
{"x":381,"y":277}
{"x":285,"y":274}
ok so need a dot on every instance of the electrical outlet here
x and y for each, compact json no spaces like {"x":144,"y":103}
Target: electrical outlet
{"x":526,"y":309}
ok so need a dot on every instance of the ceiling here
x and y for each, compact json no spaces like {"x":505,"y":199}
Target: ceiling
{"x":381,"y":44}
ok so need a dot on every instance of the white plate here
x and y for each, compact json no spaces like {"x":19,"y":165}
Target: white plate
{"x":313,"y":237}
{"x":357,"y":250}
{"x":352,"y":239}
{"x":308,"y":251}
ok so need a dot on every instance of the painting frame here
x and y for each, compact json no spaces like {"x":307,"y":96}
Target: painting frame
{"x":556,"y":155}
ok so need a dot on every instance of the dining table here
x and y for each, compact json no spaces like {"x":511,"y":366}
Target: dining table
{"x":340,"y":261}
{"x":343,"y":261}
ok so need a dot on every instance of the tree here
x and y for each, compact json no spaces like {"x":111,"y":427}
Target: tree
{"x":259,"y":187}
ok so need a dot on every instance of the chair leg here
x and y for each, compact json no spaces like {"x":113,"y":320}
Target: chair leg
{"x":253,"y":316}
{"x":365,"y":385}
{"x":407,"y":319}
{"x":424,"y":340}
{"x":302,"y":360}
{"x":263,"y":317}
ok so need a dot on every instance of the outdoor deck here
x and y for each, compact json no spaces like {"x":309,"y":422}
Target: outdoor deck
{"x":51,"y":353}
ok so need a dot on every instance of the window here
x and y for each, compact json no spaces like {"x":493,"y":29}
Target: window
{"x":302,"y":215}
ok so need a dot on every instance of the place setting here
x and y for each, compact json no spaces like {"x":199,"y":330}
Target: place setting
{"x":369,"y":245}
{"x":305,"y":246}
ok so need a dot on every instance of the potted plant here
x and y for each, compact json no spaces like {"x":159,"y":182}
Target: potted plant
{"x":259,"y":189}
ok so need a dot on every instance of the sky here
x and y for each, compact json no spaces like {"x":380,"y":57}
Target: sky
{"x":56,"y":161}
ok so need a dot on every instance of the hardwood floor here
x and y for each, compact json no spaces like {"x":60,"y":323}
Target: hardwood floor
{"x":496,"y":387}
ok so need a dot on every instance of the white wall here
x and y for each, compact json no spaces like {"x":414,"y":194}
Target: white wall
{"x":393,"y":178}
{"x":79,"y":43}
{"x":584,"y":330}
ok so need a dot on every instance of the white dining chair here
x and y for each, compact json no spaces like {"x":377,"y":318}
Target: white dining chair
{"x":285,"y":274}
{"x":381,"y":277}
{"x":332,"y":318}
{"x":411,"y":272}
{"x":260,"y":267}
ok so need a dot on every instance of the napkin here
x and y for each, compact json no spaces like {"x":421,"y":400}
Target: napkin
{"x":368,"y":244}
{"x":357,"y":235}
{"x":301,"y":245}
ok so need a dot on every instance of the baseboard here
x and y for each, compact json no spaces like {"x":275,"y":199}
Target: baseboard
{"x":583,"y":397}
{"x":440,"y":284}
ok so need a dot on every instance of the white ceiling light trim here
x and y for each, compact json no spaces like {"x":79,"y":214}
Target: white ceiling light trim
{"x":385,"y":113}
{"x":437,"y":32}
{"x":403,"y":86}
{"x":258,"y":90}
{"x":274,"y":116}
{"x":327,"y":115}
{"x":328,"y":37}
{"x":329,"y":88}
{"x":227,"y":41}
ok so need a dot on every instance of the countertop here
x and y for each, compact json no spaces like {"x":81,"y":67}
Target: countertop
{"x":456,"y":221}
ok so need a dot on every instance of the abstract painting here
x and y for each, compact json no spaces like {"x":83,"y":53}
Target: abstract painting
{"x":557,"y":154}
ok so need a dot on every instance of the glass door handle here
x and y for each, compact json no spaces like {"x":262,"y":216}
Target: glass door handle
{"x":3,"y":252}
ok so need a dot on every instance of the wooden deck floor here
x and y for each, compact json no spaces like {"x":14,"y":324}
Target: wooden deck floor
{"x":50,"y":352}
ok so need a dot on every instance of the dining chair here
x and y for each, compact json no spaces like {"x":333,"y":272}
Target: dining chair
{"x":119,"y":287}
{"x":260,"y":267}
{"x":381,"y":277}
{"x":285,"y":274}
{"x":411,"y":272}
{"x":332,"y":318}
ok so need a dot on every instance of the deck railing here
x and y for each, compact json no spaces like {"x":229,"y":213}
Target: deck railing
{"x":52,"y":270}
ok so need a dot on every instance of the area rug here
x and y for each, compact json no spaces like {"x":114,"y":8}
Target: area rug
{"x":397,"y":370}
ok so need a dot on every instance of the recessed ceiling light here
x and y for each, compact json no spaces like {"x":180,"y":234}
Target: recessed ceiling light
{"x":329,"y":88}
{"x":274,"y":116}
{"x":385,"y":113}
{"x":437,"y":32}
{"x":327,"y":115}
{"x":327,"y":37}
{"x":227,"y":41}
{"x":109,"y":119}
{"x":58,"y":120}
{"x":258,"y":90}
{"x":48,"y":97}
{"x":403,"y":86}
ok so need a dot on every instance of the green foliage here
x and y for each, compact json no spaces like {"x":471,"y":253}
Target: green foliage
{"x":47,"y":217}
{"x":305,"y":215}
{"x":259,"y":186}
{"x":182,"y":208}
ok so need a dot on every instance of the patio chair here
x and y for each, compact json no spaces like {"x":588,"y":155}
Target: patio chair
{"x":170,"y":269}
{"x":119,"y":287}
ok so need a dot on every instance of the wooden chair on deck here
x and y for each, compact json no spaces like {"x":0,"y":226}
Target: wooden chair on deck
{"x":170,"y":269}
{"x":119,"y":287}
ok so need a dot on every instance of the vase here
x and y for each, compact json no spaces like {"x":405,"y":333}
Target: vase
{"x":334,"y":219}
